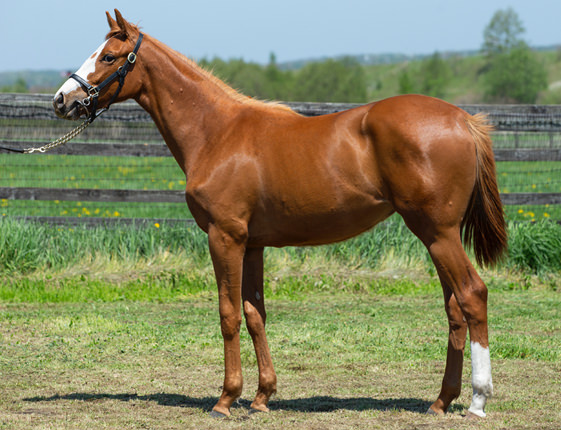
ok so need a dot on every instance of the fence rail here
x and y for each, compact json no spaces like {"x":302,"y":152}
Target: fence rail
{"x":161,"y":150}
{"x":171,"y":196}
{"x":92,"y":195}
{"x":127,"y":130}
{"x":503,"y":117}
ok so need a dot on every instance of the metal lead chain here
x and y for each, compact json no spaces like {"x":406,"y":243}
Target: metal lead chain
{"x":61,"y":140}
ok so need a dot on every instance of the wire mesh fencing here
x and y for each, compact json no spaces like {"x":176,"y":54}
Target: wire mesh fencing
{"x":120,"y":168}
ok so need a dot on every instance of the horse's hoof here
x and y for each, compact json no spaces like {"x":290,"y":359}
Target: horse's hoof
{"x":471,"y":416}
{"x":431,"y":411}
{"x":216,"y":414}
{"x":257,"y":411}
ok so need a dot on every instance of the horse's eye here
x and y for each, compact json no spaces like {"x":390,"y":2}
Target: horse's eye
{"x":108,"y":58}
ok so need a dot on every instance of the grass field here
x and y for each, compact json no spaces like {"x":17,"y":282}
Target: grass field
{"x":344,"y":361}
{"x":118,"y":328}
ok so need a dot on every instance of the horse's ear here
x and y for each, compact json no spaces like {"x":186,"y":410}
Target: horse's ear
{"x":112,"y":23}
{"x":123,"y":24}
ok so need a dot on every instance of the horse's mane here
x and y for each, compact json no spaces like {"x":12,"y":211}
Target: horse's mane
{"x":207,"y":74}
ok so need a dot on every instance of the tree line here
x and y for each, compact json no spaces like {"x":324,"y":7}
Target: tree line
{"x":510,"y":73}
{"x":332,"y":80}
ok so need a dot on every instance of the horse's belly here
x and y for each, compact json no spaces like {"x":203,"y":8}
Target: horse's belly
{"x":307,"y":228}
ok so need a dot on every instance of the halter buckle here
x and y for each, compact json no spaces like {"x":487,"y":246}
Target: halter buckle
{"x":93,"y":92}
{"x":131,"y":58}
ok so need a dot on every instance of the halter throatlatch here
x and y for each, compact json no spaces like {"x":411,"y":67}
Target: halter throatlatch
{"x":92,"y":100}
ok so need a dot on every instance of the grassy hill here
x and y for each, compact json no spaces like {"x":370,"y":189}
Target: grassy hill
{"x":466,"y":85}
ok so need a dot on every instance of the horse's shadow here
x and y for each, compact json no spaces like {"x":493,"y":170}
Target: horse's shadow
{"x":308,"y":404}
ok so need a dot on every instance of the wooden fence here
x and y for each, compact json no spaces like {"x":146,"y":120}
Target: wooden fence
{"x":126,"y":130}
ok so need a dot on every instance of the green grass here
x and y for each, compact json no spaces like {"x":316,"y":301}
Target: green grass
{"x":41,"y":263}
{"x":359,"y":360}
{"x":118,"y":328}
{"x":59,"y":171}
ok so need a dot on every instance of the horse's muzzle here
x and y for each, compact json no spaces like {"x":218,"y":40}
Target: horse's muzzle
{"x":68,"y":109}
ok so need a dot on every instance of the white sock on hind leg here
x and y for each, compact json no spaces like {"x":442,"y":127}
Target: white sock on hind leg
{"x":481,"y":380}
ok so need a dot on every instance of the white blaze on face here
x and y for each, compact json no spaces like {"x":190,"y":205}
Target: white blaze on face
{"x":87,"y":68}
{"x":481,"y":380}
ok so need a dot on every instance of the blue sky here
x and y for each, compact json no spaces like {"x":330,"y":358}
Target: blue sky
{"x":59,"y":35}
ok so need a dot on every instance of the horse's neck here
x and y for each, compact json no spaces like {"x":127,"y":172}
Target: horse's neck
{"x":186,"y":104}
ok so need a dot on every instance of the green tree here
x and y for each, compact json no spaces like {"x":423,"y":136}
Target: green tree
{"x":513,"y":74}
{"x":436,"y":75}
{"x":248,"y":78}
{"x":406,"y":85}
{"x":278,"y":82}
{"x":503,"y":32}
{"x":331,"y":81}
{"x":254,"y":80}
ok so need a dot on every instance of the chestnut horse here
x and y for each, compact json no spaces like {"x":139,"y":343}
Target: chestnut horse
{"x":259,"y":174}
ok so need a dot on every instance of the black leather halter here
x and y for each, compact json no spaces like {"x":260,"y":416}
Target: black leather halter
{"x":93,"y":92}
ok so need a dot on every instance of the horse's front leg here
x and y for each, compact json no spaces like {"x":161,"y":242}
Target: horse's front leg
{"x":227,"y":251}
{"x":255,"y":317}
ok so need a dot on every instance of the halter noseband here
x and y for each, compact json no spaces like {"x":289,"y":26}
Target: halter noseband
{"x":93,"y":92}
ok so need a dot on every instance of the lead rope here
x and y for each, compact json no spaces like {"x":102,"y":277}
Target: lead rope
{"x":61,"y":140}
{"x":93,"y":92}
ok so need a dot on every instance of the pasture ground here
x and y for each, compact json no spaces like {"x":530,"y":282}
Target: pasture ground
{"x":344,"y":360}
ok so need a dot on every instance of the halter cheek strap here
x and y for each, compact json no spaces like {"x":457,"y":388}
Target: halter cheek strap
{"x":93,"y":92}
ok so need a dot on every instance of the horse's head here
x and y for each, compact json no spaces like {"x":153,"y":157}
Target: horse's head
{"x":101,"y":79}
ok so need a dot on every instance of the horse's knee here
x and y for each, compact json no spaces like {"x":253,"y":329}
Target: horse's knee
{"x":230,"y":325}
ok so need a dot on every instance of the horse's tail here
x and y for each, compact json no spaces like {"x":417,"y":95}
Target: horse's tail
{"x":483,"y":225}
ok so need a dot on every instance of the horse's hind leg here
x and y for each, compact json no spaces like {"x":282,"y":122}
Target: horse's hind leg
{"x":255,"y":316}
{"x":464,"y":291}
{"x":457,"y":273}
{"x":452,"y":381}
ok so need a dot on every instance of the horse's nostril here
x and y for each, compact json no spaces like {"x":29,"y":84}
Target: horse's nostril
{"x":58,"y":104}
